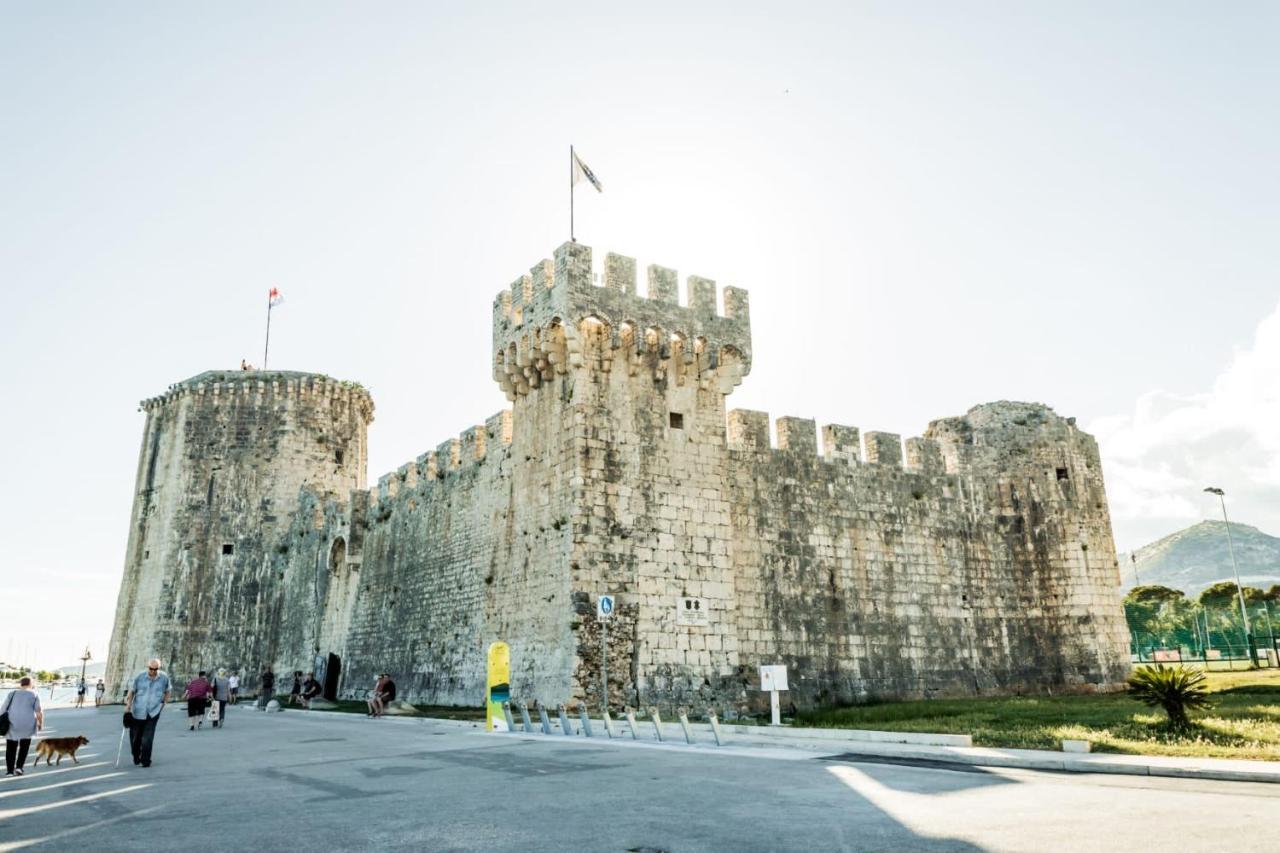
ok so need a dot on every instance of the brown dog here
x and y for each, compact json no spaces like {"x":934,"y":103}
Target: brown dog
{"x":61,"y":745}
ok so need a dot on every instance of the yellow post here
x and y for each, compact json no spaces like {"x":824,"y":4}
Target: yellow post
{"x":499,"y":689}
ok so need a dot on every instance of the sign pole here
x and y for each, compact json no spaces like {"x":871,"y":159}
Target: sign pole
{"x":604,"y":612}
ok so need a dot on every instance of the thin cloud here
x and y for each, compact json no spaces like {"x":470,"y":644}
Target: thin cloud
{"x":1158,"y":459}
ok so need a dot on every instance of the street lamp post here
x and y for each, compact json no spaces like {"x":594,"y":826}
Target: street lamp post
{"x":84,"y":662}
{"x":1244,"y":613}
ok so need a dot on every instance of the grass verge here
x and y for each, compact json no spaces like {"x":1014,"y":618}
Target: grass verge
{"x":1244,"y":722}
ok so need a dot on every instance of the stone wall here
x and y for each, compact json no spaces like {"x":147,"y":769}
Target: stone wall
{"x":976,"y":559}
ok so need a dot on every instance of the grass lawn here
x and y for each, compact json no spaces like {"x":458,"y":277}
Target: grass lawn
{"x":1244,"y":722}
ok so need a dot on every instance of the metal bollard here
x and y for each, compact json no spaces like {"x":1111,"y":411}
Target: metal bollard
{"x":506,"y":712}
{"x":586,"y":721}
{"x":657,"y":722}
{"x":524,"y":718}
{"x":608,"y":724}
{"x":564,"y":720}
{"x":546,"y":723}
{"x":631,"y":721}
{"x":684,"y":724}
{"x":715,"y":724}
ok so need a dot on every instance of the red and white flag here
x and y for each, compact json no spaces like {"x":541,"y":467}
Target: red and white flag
{"x":274,"y":298}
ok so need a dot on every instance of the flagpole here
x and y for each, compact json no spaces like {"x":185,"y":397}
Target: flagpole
{"x":267,"y":346}
{"x":572,"y":239}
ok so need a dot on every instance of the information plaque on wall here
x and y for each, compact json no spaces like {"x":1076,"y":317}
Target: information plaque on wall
{"x":692,"y":612}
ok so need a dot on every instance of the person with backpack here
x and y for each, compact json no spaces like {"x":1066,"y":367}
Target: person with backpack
{"x":20,"y":718}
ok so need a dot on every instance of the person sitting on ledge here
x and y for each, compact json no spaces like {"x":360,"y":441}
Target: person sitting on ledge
{"x":384,"y":693}
{"x":310,"y":690}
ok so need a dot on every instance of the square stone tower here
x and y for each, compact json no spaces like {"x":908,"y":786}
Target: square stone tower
{"x":642,"y":382}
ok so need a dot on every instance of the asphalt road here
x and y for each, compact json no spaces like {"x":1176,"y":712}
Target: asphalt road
{"x":318,"y":781}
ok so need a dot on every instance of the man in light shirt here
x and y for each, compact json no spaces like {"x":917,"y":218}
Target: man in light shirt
{"x":147,"y":695}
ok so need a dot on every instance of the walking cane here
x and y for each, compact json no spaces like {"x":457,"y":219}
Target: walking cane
{"x":123,"y":731}
{"x":120,"y":748}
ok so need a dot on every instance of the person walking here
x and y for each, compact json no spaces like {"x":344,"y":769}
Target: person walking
{"x":26,"y":717}
{"x":81,"y":689}
{"x":268,"y":686}
{"x":147,"y":695}
{"x":197,"y":696}
{"x":221,"y":691}
{"x":100,"y":693}
{"x":233,"y":683}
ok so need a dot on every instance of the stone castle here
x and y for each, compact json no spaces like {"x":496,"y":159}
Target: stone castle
{"x":982,"y":562}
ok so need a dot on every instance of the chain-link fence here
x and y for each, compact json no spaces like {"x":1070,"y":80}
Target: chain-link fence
{"x":1214,"y":637}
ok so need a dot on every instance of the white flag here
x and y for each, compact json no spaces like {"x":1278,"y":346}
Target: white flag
{"x":581,"y":170}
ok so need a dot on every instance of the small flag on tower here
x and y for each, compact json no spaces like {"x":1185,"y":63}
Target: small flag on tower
{"x":274,"y":298}
{"x":581,"y":170}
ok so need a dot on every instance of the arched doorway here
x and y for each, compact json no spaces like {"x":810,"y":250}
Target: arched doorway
{"x":341,"y":589}
{"x":332,"y":677}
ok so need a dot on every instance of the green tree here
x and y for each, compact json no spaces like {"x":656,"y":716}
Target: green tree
{"x":1159,"y":612}
{"x":1254,"y":596}
{"x":1220,"y":594}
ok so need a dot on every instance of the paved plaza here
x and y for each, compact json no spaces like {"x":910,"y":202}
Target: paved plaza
{"x":323,"y":781}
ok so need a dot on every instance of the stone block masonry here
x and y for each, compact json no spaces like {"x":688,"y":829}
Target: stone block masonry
{"x":976,"y":558}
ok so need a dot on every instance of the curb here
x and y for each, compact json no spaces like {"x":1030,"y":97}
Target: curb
{"x":853,"y":746}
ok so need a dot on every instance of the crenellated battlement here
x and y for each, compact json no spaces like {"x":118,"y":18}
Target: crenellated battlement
{"x":219,"y":386}
{"x":471,"y":447}
{"x":556,"y":317}
{"x":749,"y":431}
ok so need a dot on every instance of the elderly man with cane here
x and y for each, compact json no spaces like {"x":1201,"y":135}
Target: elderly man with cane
{"x":147,"y":695}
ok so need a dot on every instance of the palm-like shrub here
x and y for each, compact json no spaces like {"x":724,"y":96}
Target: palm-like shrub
{"x":1177,"y":689}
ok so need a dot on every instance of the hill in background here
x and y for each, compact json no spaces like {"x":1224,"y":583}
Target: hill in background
{"x":1197,"y":557}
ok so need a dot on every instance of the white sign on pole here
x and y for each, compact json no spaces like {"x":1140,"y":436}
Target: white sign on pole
{"x":773,"y":678}
{"x":604,"y":607}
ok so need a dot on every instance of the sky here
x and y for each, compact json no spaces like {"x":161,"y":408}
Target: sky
{"x":933,"y":205}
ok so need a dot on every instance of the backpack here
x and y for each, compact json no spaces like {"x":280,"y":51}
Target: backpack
{"x":4,"y":716}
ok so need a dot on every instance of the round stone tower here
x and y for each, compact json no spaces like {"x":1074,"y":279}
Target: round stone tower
{"x":225,"y":457}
